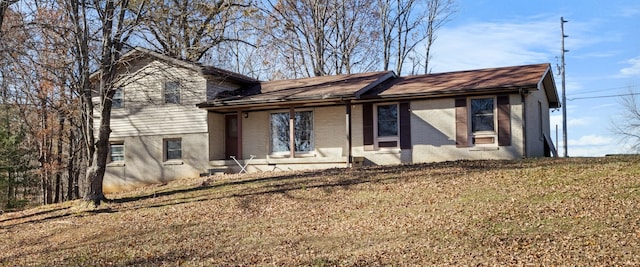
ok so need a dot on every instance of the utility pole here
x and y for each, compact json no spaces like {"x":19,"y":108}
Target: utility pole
{"x":564,"y":95}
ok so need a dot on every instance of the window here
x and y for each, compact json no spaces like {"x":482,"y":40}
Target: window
{"x":482,"y":115}
{"x":303,"y":132}
{"x":172,"y":149}
{"x":172,"y":93}
{"x":118,"y":99}
{"x":116,"y":152}
{"x":387,"y":125}
{"x":483,"y":121}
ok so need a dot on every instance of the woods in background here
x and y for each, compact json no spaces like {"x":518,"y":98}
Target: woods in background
{"x":58,"y":59}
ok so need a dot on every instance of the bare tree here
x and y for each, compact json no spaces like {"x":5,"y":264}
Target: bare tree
{"x":318,"y":37}
{"x":118,"y":23}
{"x":438,"y":13}
{"x":627,"y":125}
{"x":188,"y":29}
{"x":4,"y":5}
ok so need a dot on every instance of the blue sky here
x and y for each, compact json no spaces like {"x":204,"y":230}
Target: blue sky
{"x":604,"y":57}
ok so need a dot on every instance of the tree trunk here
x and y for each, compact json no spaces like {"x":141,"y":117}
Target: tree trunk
{"x":98,"y":166}
{"x":70,"y":166}
{"x":58,"y":186}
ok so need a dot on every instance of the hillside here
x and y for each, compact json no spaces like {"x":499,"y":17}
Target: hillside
{"x":577,"y":211}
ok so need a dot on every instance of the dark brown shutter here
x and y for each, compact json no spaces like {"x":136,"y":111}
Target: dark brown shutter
{"x":504,"y":121}
{"x":367,"y":125}
{"x":405,"y":125}
{"x":462,"y":131}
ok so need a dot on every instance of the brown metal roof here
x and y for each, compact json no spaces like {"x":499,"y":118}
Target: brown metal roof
{"x":527,"y":76}
{"x":324,"y":87}
{"x":386,"y":85}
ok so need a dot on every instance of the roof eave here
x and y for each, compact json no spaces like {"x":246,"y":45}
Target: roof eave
{"x":548,"y":83}
{"x":210,"y":105}
{"x":455,"y":92}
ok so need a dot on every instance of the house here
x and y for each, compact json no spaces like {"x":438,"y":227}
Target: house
{"x":158,"y":133}
{"x":180,"y":119}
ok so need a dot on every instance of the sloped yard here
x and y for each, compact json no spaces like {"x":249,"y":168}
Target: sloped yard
{"x":577,"y":211}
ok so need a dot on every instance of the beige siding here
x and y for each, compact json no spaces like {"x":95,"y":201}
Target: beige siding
{"x":385,"y":156}
{"x":433,"y":133}
{"x":143,"y":162}
{"x":329,"y":142}
{"x":329,"y":133}
{"x":145,"y":121}
{"x":537,"y":125}
{"x":145,"y":113}
{"x":255,"y":135}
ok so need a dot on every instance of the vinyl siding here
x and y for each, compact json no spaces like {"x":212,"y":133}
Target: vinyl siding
{"x":145,"y":112}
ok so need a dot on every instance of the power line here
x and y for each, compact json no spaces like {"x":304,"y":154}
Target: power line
{"x":601,"y":96}
{"x":601,"y":90}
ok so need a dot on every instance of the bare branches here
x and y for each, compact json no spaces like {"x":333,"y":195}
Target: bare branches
{"x":439,"y":12}
{"x":4,"y":5}
{"x":188,"y":29}
{"x":320,"y":37}
{"x":627,"y":125}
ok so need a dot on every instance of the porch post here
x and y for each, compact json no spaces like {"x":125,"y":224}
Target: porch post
{"x":239,"y":132}
{"x":292,"y":136}
{"x":348,"y":130}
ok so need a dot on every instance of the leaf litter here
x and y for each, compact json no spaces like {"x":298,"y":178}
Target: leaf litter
{"x":575,"y":211}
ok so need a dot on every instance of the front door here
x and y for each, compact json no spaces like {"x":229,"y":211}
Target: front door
{"x":231,"y":136}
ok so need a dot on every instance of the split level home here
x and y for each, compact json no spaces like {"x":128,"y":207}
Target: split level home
{"x":176,"y":119}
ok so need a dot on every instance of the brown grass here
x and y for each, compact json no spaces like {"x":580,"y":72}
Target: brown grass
{"x":583,"y":211}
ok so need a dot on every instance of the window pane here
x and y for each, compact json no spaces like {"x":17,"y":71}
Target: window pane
{"x":117,"y":101}
{"x":303,"y":132}
{"x":279,"y":132}
{"x":116,"y":152}
{"x":387,"y":120}
{"x":482,"y":114}
{"x":173,"y":149}
{"x":172,"y":92}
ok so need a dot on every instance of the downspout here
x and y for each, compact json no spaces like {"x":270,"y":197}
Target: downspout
{"x":524,"y":122}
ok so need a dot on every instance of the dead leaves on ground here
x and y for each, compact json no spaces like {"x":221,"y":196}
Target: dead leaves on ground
{"x":545,"y":211}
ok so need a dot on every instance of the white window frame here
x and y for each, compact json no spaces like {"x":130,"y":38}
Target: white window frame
{"x":119,"y":92}
{"x":378,"y":139}
{"x":286,"y":153}
{"x":165,"y":91}
{"x":112,"y":155}
{"x":483,"y":134}
{"x":165,"y":149}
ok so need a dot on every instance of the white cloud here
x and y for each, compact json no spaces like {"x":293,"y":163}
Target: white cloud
{"x":592,"y":140}
{"x":633,"y":70}
{"x":533,"y":39}
{"x":594,"y":151}
{"x":492,"y":44}
{"x":628,"y":11}
{"x":594,"y":146}
{"x":555,"y":120}
{"x":578,"y":122}
{"x":571,"y":122}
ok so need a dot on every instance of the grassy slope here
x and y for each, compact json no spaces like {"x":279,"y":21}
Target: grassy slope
{"x":547,"y":211}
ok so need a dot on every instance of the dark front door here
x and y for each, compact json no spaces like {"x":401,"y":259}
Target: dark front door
{"x":231,"y":136}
